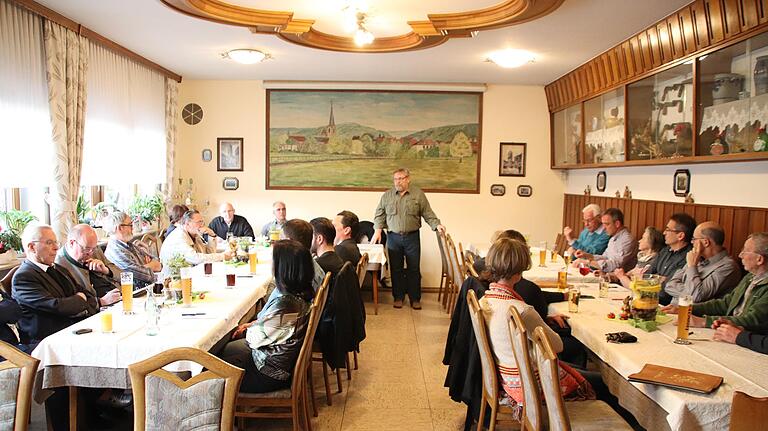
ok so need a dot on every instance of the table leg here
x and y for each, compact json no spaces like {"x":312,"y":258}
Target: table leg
{"x":375,"y":277}
{"x":73,"y":408}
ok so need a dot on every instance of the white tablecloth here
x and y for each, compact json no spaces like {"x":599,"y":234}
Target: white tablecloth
{"x":376,"y":255}
{"x":546,"y":275}
{"x":741,"y":369}
{"x":223,"y":308}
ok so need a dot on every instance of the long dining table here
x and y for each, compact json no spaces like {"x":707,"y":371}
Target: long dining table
{"x":100,"y":360}
{"x":656,"y":407}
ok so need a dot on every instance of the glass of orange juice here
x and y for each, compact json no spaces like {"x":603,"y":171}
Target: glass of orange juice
{"x":126,"y":290}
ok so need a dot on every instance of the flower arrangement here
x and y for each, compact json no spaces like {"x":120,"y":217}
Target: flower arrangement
{"x":175,"y":264}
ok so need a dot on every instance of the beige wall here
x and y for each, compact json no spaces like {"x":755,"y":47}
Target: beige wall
{"x":510,"y":114}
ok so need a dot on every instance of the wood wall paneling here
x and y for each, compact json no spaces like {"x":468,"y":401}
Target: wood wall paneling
{"x":665,"y":43}
{"x":750,"y":14}
{"x":738,"y":222}
{"x":732,"y":18}
{"x":715,"y":11}
{"x":676,"y":36}
{"x":689,"y":31}
{"x":699,"y":16}
{"x":654,"y":47}
{"x":762,"y":7}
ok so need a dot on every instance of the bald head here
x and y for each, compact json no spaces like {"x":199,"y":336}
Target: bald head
{"x":40,"y":243}
{"x":81,"y":242}
{"x":227,"y":212}
{"x":709,"y":237}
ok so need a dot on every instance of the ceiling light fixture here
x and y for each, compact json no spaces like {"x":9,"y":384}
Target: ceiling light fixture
{"x":354,"y":22}
{"x":246,"y":55}
{"x":509,"y":58}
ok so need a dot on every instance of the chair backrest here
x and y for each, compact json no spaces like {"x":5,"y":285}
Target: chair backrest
{"x":362,"y":268}
{"x":487,"y":362}
{"x":441,"y":246}
{"x":7,"y":281}
{"x":560,"y":244}
{"x":17,"y":376}
{"x":305,"y":354}
{"x":550,"y":381}
{"x":152,"y":243}
{"x":469,"y":264}
{"x":366,"y":229}
{"x":532,"y":418}
{"x":747,"y":412}
{"x":457,"y":271}
{"x":207,"y":399}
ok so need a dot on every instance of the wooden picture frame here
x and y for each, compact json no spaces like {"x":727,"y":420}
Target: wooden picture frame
{"x":230,"y":183}
{"x":512,"y":159}
{"x":207,"y":155}
{"x":353,"y":140}
{"x":601,"y":181}
{"x":681,"y":183}
{"x":524,"y":190}
{"x":229,"y":154}
{"x":498,"y":190}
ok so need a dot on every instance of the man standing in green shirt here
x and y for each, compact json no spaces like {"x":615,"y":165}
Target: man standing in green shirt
{"x":400,"y":211}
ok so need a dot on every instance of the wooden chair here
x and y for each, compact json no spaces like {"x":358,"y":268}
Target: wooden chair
{"x":168,"y":402}
{"x":362,"y":270}
{"x":7,"y":281}
{"x":445,"y":268}
{"x":458,"y":275}
{"x":560,"y":244}
{"x":317,"y":349}
{"x":579,"y":415}
{"x":152,"y":243}
{"x":17,"y":375}
{"x":748,"y":413}
{"x":290,"y":403}
{"x":321,"y":296}
{"x":488,"y":363}
{"x":532,"y":419}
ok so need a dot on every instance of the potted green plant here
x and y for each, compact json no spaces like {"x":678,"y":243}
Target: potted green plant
{"x":12,"y":224}
{"x":83,"y":210}
{"x":147,"y":208}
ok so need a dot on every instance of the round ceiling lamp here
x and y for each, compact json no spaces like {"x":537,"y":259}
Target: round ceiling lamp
{"x":510,"y":58}
{"x":246,"y":56}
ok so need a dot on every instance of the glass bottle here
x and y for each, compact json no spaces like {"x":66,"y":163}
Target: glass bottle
{"x":153,"y":313}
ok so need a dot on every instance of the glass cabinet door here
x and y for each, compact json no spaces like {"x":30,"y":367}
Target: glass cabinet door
{"x":567,"y":136}
{"x":604,"y":128}
{"x":733,"y":99}
{"x":660,"y":114}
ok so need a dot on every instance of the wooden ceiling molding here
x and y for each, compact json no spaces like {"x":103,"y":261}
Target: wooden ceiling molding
{"x":700,"y":27}
{"x":437,"y":29}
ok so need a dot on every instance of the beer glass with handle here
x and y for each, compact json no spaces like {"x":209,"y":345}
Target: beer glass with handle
{"x":683,"y":318}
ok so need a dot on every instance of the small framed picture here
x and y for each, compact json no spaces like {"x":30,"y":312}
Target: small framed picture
{"x":231,"y":183}
{"x":512,"y":159}
{"x":524,"y":191}
{"x":207,"y":155}
{"x":498,"y":190}
{"x":681,"y":184}
{"x":601,"y":177}
{"x":230,"y":154}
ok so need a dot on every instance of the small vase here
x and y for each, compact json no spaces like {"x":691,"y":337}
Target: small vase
{"x":716,"y":148}
{"x":761,"y":75}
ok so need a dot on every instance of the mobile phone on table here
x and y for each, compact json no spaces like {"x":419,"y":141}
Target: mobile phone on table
{"x":82,"y":331}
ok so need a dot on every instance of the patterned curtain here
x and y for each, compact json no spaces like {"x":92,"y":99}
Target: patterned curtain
{"x":66,"y":57}
{"x":171,"y":114}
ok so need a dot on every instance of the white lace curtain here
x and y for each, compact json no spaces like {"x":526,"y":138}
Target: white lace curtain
{"x":25,"y":129}
{"x":125,"y":127}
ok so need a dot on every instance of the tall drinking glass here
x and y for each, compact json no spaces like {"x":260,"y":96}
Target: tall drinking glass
{"x":253,"y":258}
{"x":562,"y":278}
{"x":126,"y":290}
{"x":567,"y":257}
{"x":574,"y":294}
{"x":543,"y":253}
{"x":186,"y":286}
{"x":683,"y":318}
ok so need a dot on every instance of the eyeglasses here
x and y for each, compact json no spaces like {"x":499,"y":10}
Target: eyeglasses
{"x":588,"y":220}
{"x":84,"y":248}
{"x":749,"y":252}
{"x":400,"y":178}
{"x":126,"y":224}
{"x":49,"y":242}
{"x":697,"y":238}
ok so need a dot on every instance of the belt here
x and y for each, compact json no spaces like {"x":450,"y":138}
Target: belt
{"x":405,"y":233}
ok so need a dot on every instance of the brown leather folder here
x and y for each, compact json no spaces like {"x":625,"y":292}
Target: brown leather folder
{"x":677,"y":378}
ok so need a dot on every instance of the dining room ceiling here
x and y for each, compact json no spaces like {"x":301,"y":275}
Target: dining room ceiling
{"x":561,"y":40}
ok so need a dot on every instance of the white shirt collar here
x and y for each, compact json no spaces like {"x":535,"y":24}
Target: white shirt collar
{"x":42,"y":266}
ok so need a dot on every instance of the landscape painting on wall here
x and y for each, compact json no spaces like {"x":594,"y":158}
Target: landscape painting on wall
{"x":354,"y":140}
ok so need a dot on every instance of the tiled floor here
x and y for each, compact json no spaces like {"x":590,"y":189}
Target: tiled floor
{"x":399,"y":384}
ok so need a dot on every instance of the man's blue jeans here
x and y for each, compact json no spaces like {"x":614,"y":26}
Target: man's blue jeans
{"x":405,"y":248}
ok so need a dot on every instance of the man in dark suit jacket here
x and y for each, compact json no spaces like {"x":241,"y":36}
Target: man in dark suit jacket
{"x":49,"y":297}
{"x":50,"y":301}
{"x":323,"y":234}
{"x":347,"y":229}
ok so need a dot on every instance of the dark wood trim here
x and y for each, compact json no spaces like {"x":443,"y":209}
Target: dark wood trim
{"x":698,"y":28}
{"x":731,"y":157}
{"x":60,"y":19}
{"x":738,"y":222}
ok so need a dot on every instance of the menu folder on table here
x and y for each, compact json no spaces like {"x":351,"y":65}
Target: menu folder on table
{"x":677,"y":378}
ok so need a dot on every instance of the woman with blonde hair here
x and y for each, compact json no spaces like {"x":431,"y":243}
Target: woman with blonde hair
{"x":506,"y":261}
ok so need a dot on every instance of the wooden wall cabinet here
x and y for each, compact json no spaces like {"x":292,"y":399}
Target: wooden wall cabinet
{"x":691,"y":88}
